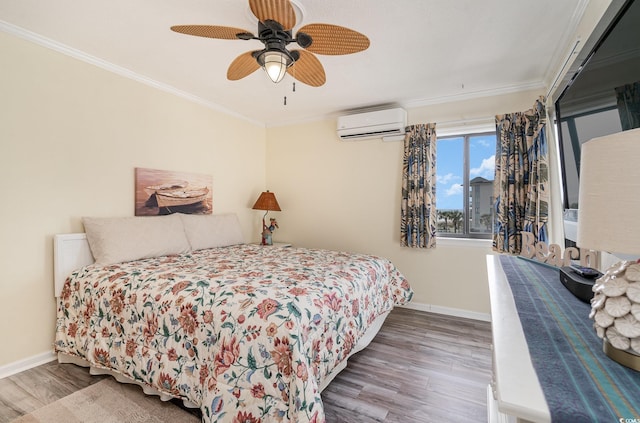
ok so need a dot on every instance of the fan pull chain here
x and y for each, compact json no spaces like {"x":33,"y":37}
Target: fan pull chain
{"x":294,"y":90}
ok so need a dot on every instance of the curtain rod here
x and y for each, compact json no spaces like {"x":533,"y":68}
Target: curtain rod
{"x":463,"y":122}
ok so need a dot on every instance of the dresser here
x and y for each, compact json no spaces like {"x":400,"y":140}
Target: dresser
{"x":514,"y":394}
{"x":548,"y":361}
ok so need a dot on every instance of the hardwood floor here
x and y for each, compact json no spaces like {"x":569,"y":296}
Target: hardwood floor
{"x":421,"y":367}
{"x":25,"y":392}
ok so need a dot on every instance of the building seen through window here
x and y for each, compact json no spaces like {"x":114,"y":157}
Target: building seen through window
{"x":465,"y":167}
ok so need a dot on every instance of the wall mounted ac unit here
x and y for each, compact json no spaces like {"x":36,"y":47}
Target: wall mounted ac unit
{"x":389,"y":124}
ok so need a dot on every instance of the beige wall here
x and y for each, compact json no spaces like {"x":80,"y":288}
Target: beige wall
{"x":346,"y":195}
{"x":71,"y":135}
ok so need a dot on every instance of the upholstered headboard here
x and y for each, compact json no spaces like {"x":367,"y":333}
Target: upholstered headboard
{"x":120,"y":239}
{"x":70,"y":252}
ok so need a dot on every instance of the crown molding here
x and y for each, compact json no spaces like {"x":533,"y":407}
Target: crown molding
{"x":492,"y":92}
{"x":566,"y":47}
{"x":119,"y":70}
{"x":511,"y":89}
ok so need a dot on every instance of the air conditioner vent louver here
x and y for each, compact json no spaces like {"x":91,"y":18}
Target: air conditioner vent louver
{"x":373,"y":134}
{"x":376,"y":124}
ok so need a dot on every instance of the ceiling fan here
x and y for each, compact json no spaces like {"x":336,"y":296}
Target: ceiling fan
{"x":276,"y":19}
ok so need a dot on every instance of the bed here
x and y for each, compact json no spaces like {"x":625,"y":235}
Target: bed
{"x":242,"y":331}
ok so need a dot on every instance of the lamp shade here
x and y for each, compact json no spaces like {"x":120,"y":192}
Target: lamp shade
{"x":609,"y":199}
{"x":267,"y":201}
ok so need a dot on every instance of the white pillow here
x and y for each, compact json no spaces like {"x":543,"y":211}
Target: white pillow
{"x":120,"y":239}
{"x":212,"y":230}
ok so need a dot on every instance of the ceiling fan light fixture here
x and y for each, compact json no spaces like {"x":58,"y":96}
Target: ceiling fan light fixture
{"x":276,"y":19}
{"x":275,"y":64}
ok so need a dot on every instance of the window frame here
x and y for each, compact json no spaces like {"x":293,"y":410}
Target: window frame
{"x":466,"y":188}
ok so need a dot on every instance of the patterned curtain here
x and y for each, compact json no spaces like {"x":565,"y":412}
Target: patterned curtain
{"x":418,"y":214}
{"x":628,"y":99}
{"x":521,"y":187}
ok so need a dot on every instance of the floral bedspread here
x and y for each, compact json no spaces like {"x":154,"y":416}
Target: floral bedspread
{"x":246,"y":332}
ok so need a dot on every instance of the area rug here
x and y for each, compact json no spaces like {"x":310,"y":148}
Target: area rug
{"x":108,"y":401}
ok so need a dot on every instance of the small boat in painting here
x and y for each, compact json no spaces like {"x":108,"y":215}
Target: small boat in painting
{"x":183,"y":196}
{"x":152,"y":189}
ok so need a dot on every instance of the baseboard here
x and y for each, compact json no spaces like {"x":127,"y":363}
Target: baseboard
{"x":430,"y":308}
{"x":26,"y":364}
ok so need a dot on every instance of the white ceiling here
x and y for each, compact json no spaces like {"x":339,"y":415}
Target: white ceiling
{"x":422,"y":51}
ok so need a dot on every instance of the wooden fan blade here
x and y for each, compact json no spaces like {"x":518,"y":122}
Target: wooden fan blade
{"x":243,"y":65}
{"x":280,"y":11}
{"x":210,"y":31}
{"x":308,"y":69}
{"x":334,"y":39}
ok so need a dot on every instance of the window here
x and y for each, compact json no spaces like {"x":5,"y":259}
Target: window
{"x":465,"y":167}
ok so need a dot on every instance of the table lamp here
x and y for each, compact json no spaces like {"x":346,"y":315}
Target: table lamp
{"x":267,"y":201}
{"x":609,"y":220}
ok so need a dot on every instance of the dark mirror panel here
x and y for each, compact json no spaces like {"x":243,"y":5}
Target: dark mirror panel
{"x":603,"y":97}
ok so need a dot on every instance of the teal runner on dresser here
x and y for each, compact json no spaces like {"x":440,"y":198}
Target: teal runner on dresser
{"x":580,"y":383}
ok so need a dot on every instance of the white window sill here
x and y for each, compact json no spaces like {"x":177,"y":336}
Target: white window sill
{"x":464,"y":242}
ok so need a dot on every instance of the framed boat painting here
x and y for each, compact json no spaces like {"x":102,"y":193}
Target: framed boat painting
{"x":160,"y":192}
